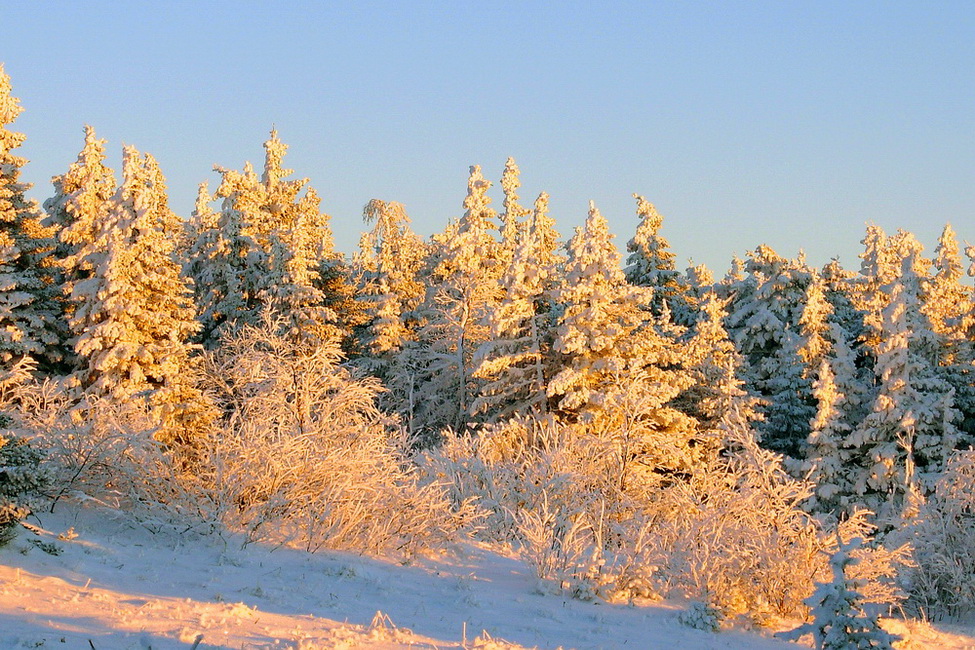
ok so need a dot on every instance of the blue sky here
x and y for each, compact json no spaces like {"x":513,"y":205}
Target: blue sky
{"x":786,"y":123}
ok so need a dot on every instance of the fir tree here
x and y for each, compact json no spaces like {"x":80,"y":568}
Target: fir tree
{"x":465,"y":266}
{"x":841,"y":394}
{"x":616,"y":357}
{"x":947,"y":304}
{"x":270,"y":248}
{"x":904,"y":441}
{"x":517,"y":359}
{"x":388,"y":265}
{"x":651,"y":264}
{"x":28,"y":275}
{"x":764,"y":321}
{"x":133,"y":316}
{"x":839,"y":619}
{"x":716,"y":398}
{"x":513,"y":219}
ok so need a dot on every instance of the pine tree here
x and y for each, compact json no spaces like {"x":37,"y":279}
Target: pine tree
{"x":28,"y":276}
{"x":513,"y":219}
{"x":948,"y":305}
{"x":517,"y":359}
{"x":618,"y":361}
{"x":270,"y":248}
{"x":133,"y":316}
{"x":465,"y":266}
{"x":764,"y":321}
{"x":716,"y":398}
{"x":839,"y":620}
{"x":651,"y":264}
{"x":841,"y":394}
{"x":904,"y":441}
{"x":82,"y":198}
{"x":389,"y":265}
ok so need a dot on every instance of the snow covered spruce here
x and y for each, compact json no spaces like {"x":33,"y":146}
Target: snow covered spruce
{"x":633,"y":431}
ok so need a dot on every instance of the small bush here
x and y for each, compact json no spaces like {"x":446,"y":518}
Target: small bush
{"x":21,"y":477}
{"x":943,"y":535}
{"x":21,"y":474}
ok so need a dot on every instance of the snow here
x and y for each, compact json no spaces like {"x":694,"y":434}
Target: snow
{"x":118,"y":585}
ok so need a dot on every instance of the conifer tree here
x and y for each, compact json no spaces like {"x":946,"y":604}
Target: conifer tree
{"x":82,"y":198}
{"x":513,"y":219}
{"x":716,"y":399}
{"x":28,"y":276}
{"x":764,"y":320}
{"x":652,"y":265}
{"x":841,"y":395}
{"x":270,"y":248}
{"x":948,"y":305}
{"x":700,"y":283}
{"x":839,"y":621}
{"x":389,"y":265}
{"x":465,"y":266}
{"x":133,"y":315}
{"x":616,"y":357}
{"x":224,"y":259}
{"x":517,"y":359}
{"x":905,"y":440}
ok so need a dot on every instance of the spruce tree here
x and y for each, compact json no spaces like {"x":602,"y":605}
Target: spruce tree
{"x":82,"y":198}
{"x":270,"y":248}
{"x":514,"y":218}
{"x":904,"y":441}
{"x":842,"y":395}
{"x":764,"y":321}
{"x":133,"y":315}
{"x":652,"y":265}
{"x":389,"y":266}
{"x":948,"y":305}
{"x":28,"y":276}
{"x":465,"y":265}
{"x":516,"y":361}
{"x":621,"y":365}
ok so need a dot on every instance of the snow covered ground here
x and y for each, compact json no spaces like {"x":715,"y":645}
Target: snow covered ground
{"x":116,"y":585}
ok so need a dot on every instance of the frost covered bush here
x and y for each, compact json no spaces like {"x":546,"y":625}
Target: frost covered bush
{"x":839,"y":619}
{"x":731,"y":532}
{"x":304,"y":457}
{"x":21,"y":474}
{"x":522,"y":465}
{"x":100,"y":451}
{"x":551,"y":489}
{"x":701,"y":616}
{"x":20,"y":477}
{"x":943,"y":536}
{"x":734,"y":535}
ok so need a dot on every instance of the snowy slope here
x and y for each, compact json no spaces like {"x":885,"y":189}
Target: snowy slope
{"x":120,"y":586}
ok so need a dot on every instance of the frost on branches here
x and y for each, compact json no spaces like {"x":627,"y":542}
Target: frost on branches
{"x":133,"y":317}
{"x":465,"y":265}
{"x":839,"y":620}
{"x":28,"y":309}
{"x":268,"y":248}
{"x":79,"y":208}
{"x":906,"y":438}
{"x":651,"y":264}
{"x":517,"y":360}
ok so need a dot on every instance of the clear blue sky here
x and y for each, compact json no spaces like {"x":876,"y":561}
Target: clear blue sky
{"x":786,"y":123}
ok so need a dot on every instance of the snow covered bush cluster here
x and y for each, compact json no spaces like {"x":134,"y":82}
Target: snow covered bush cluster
{"x":634,"y":430}
{"x":943,"y":536}
{"x":21,"y":476}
